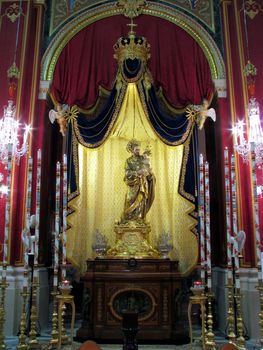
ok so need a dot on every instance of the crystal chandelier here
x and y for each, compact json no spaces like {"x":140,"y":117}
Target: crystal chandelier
{"x":260,"y":190}
{"x":3,"y":188}
{"x":9,"y":135}
{"x":255,"y":135}
{"x":10,"y":129}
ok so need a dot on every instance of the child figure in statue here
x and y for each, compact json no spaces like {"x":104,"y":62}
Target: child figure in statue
{"x":141,"y":185}
{"x":146,"y":160}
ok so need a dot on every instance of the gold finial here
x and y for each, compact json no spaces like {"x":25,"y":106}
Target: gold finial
{"x":132,"y":8}
{"x":13,"y":71}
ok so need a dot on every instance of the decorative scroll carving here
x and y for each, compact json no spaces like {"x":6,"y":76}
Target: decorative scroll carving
{"x":252,"y":8}
{"x":13,"y":12}
{"x":165,"y":305}
{"x":131,"y":8}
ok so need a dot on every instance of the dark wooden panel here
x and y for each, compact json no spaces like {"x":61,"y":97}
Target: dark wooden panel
{"x":144,"y":285}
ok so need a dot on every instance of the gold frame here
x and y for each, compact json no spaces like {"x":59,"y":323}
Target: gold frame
{"x":137,"y":289}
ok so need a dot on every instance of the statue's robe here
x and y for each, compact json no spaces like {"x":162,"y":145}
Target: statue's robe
{"x":140,"y":193}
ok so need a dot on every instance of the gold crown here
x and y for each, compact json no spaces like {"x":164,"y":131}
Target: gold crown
{"x":132,"y":47}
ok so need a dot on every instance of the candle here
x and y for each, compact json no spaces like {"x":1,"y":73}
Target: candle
{"x":38,"y":183}
{"x":256,"y":215}
{"x":65,"y":201}
{"x":57,"y":226}
{"x":228,"y":223}
{"x":7,"y":210}
{"x":201,"y":217}
{"x":207,"y":226}
{"x":26,"y":231}
{"x":234,"y":216}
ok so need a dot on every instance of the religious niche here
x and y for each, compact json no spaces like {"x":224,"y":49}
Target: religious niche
{"x":135,"y":300}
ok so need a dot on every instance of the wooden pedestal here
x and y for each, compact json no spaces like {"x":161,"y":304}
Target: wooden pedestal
{"x":146,"y":286}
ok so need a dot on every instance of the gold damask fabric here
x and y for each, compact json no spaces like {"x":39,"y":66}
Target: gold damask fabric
{"x":102,"y":189}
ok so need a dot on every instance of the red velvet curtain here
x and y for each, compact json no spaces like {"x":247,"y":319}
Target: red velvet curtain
{"x":177,"y":62}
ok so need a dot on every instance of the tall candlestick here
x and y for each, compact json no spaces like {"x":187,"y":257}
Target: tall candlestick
{"x":26,"y":231}
{"x":57,"y":226}
{"x":234,"y":216}
{"x":38,"y":183}
{"x":65,"y":202}
{"x":228,"y":222}
{"x":7,"y":210}
{"x":207,"y":226}
{"x":201,"y":217}
{"x":256,"y":215}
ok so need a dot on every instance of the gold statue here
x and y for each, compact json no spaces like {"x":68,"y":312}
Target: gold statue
{"x":132,"y":232}
{"x":140,"y":180}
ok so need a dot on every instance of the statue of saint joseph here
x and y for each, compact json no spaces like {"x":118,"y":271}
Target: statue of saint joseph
{"x":140,"y":180}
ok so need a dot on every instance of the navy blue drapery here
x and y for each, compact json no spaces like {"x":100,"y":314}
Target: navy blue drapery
{"x":173,"y":127}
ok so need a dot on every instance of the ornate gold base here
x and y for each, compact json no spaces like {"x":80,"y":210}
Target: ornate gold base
{"x":132,"y":241}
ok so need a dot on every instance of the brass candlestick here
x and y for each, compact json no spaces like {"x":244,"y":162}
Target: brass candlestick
{"x":33,"y":342}
{"x":231,"y":318}
{"x":54,"y":334}
{"x":22,"y":345}
{"x":3,"y":286}
{"x":260,"y":289}
{"x":240,"y":338}
{"x":64,"y":336}
{"x":210,"y":337}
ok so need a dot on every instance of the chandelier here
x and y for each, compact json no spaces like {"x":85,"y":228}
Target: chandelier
{"x":10,"y":134}
{"x":255,"y":133}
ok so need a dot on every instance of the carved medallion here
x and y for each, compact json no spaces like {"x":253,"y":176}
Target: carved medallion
{"x":135,"y":300}
{"x":131,"y":8}
{"x":13,"y":12}
{"x":252,"y":8}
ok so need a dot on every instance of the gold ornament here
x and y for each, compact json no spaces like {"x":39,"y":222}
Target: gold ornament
{"x":71,"y":114}
{"x":13,"y":12}
{"x":131,"y":47}
{"x":13,"y":71}
{"x":131,"y":8}
{"x":252,"y":8}
{"x":191,"y":114}
{"x":22,"y":344}
{"x":210,"y":337}
{"x":33,"y":341}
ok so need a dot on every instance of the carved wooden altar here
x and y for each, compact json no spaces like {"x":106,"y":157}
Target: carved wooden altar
{"x":146,"y":286}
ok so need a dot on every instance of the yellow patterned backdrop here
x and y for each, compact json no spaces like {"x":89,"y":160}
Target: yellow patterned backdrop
{"x":102,"y":189}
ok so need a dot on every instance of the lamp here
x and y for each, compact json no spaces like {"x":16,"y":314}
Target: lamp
{"x":10,"y":128}
{"x":255,"y":135}
{"x":9,"y":134}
